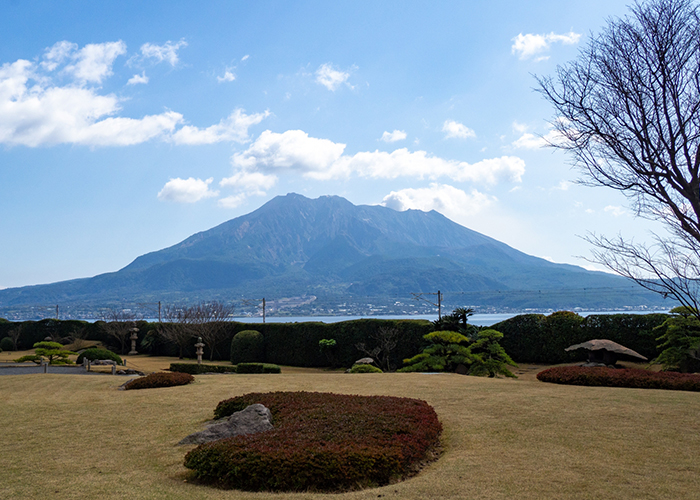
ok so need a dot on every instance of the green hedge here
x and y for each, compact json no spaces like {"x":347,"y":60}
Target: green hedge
{"x":96,"y":353}
{"x":257,"y":368}
{"x":6,"y":344}
{"x":248,"y":346}
{"x":195,"y":369}
{"x":536,"y":338}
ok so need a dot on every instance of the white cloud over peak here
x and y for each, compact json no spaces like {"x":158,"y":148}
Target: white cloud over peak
{"x":457,"y":130}
{"x":234,"y":128}
{"x":448,"y":200}
{"x":166,"y":52}
{"x":330,"y":77}
{"x":530,"y":45}
{"x":395,"y":136}
{"x":323,"y":159}
{"x":188,"y":190}
{"x":136,"y":79}
{"x":232,"y":201}
{"x":228,"y":77}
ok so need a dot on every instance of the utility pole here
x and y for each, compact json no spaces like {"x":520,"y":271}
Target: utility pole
{"x":56,"y":311}
{"x":263,"y":302}
{"x":248,"y":302}
{"x":159,"y":316}
{"x":419,"y":296}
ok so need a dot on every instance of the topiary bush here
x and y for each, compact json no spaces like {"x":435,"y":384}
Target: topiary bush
{"x":97,"y":353}
{"x":365,"y":369}
{"x":159,"y":379}
{"x":6,"y":344}
{"x":248,"y":346}
{"x":257,"y":368}
{"x":195,"y":369}
{"x":363,"y":441}
{"x":617,"y":377}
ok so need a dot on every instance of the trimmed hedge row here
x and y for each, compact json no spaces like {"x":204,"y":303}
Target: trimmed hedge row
{"x":320,"y":442}
{"x":620,"y":377}
{"x":257,"y":368}
{"x":96,"y":353}
{"x":195,"y":369}
{"x":536,"y":338}
{"x":159,"y":379}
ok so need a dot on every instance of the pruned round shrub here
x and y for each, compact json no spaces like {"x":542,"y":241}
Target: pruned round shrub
{"x":321,"y":442}
{"x":6,"y":344}
{"x":365,"y":369}
{"x":159,"y":379}
{"x":257,"y":368}
{"x":620,"y":377}
{"x":248,"y":346}
{"x":97,"y":353}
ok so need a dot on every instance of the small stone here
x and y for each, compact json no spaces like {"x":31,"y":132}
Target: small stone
{"x":255,"y":418}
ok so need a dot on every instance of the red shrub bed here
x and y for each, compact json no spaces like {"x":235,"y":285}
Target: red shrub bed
{"x":620,"y":377}
{"x":160,"y":379}
{"x":321,"y":442}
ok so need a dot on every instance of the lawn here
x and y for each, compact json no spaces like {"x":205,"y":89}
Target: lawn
{"x":71,"y":436}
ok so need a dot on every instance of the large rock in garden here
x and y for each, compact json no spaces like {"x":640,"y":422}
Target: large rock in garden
{"x":255,"y":418}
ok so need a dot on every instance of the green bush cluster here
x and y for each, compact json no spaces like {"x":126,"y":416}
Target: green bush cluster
{"x":6,"y":344}
{"x":617,"y":377}
{"x":97,"y":353}
{"x":363,"y":441}
{"x":257,"y":368}
{"x":536,"y":338}
{"x":248,"y":346}
{"x":195,"y":369}
{"x":159,"y":379}
{"x":364,"y":368}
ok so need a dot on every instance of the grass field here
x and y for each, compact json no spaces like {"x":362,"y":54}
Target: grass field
{"x":71,"y":436}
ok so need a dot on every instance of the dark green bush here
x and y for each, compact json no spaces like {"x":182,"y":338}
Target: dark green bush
{"x":363,"y":441}
{"x":248,"y":346}
{"x":195,"y":369}
{"x":159,"y":379}
{"x":365,"y":369}
{"x":257,"y":368}
{"x":617,"y":377}
{"x":96,"y":353}
{"x":6,"y":344}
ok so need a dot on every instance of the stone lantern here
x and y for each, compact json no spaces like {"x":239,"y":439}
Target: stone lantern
{"x":134,"y":336}
{"x":200,"y":350}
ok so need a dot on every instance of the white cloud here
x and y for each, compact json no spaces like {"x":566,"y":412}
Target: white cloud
{"x":56,"y":54}
{"x":228,"y":77}
{"x":136,"y":79}
{"x":251,"y":182}
{"x":448,"y":200}
{"x":232,"y":201}
{"x":520,"y":128}
{"x":234,"y":128}
{"x":245,"y":57}
{"x":323,"y":159}
{"x":532,"y":141}
{"x":562,"y":186}
{"x":34,"y":114}
{"x":455,"y":129}
{"x":93,"y":63}
{"x":189,"y":190}
{"x":330,"y":77}
{"x":395,"y":136}
{"x":530,"y":45}
{"x":615,"y":210}
{"x":166,"y":52}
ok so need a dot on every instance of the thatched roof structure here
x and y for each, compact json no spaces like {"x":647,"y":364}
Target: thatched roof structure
{"x":606,"y":345}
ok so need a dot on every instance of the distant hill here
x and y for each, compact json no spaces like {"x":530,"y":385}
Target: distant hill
{"x":335,"y":251}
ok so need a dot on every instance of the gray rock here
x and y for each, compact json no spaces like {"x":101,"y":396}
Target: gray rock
{"x":255,"y":418}
{"x":364,"y":361}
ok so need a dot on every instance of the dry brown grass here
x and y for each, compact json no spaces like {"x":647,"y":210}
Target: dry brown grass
{"x":72,"y":436}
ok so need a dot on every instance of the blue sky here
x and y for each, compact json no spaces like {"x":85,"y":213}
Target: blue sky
{"x":127,"y":126}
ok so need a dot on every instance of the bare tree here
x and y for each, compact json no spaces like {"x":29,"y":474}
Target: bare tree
{"x":118,"y":324}
{"x":208,"y":320}
{"x":628,"y":113}
{"x":386,"y":340}
{"x":15,"y":334}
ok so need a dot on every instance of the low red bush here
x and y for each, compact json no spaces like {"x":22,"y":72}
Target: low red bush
{"x":620,"y":377}
{"x":160,"y":379}
{"x":321,"y":442}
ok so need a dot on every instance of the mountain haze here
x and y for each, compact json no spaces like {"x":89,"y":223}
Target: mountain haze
{"x":331,"y":249}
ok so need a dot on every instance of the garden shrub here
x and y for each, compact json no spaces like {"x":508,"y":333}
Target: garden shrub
{"x":248,"y":346}
{"x":365,"y":369}
{"x":679,"y":341}
{"x":6,"y":344}
{"x":195,"y":369}
{"x":28,"y":357}
{"x":362,"y":441}
{"x":159,"y":379}
{"x":257,"y":368}
{"x":620,"y":377}
{"x":97,"y":353}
